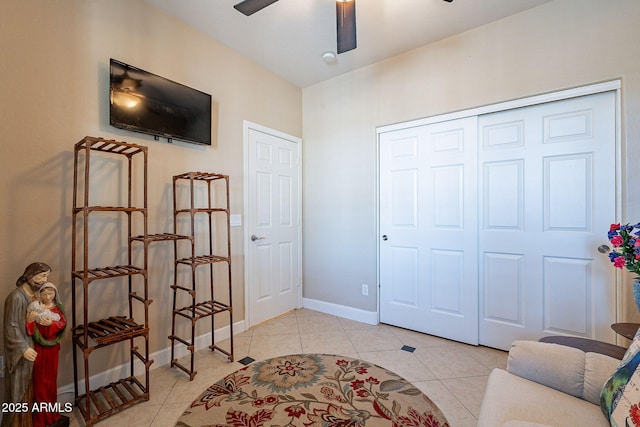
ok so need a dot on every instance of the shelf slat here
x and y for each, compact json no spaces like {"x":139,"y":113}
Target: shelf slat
{"x":161,"y":237}
{"x":202,"y":210}
{"x":201,"y":176}
{"x":109,"y":146}
{"x":203,"y":309}
{"x":109,"y":272}
{"x":108,"y":331}
{"x":108,"y":209}
{"x":202,"y":259}
{"x":103,"y":402}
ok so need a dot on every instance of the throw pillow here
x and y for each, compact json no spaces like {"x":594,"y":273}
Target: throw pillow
{"x":620,"y":397}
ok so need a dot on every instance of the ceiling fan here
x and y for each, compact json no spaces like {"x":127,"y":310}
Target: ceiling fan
{"x":345,"y":19}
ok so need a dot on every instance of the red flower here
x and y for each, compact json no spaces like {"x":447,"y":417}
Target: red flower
{"x":295,"y":411}
{"x":619,"y":262}
{"x":617,"y":240}
{"x":363,"y":392}
{"x":634,"y":412}
{"x":357,"y":384}
{"x":372,"y":380}
{"x":242,"y":419}
{"x":614,"y":227}
{"x":361,"y":370}
{"x":416,"y":419}
{"x":342,"y":363}
{"x":271,"y":399}
{"x":258,"y":403}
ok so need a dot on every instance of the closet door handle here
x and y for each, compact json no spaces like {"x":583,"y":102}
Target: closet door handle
{"x":254,"y":238}
{"x":385,"y":237}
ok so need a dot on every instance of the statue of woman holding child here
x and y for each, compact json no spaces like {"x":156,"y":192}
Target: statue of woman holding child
{"x":24,"y":354}
{"x":46,"y":323}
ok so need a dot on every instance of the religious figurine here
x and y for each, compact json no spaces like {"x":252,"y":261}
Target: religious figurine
{"x":18,"y":346}
{"x":46,"y":324}
{"x":40,"y":309}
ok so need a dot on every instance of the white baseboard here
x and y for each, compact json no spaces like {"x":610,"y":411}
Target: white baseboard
{"x":368,"y":317}
{"x":160,"y":358}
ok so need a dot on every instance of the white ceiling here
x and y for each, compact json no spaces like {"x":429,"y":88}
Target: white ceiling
{"x":290,"y":36}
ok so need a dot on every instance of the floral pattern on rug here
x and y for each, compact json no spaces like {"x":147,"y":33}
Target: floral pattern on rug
{"x":312,"y":390}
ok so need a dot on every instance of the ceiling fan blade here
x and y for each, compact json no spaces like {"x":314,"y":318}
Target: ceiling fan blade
{"x":249,"y":7}
{"x":346,"y":25}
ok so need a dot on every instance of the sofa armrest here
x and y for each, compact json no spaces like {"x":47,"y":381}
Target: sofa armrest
{"x":597,"y":370}
{"x":553,"y":365}
{"x":563,"y":368}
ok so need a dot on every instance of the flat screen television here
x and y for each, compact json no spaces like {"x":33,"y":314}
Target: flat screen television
{"x":144,"y":102}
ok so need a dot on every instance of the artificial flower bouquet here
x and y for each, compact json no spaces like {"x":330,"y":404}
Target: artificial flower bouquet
{"x":626,"y":247}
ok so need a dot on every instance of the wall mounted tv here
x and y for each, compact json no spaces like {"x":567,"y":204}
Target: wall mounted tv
{"x":144,"y":102}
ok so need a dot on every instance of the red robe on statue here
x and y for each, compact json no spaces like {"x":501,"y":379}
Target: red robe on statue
{"x":45,"y":368}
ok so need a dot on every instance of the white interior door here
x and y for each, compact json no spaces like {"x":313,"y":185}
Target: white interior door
{"x":428,"y":228}
{"x":272,"y":230}
{"x":547,"y":199}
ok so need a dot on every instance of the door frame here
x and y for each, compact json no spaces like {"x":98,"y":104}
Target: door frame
{"x":608,"y":86}
{"x":247,"y":126}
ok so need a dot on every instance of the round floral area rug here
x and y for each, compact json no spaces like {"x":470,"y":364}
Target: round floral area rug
{"x":312,"y":390}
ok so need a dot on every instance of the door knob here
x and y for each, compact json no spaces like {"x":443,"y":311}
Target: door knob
{"x":603,"y":249}
{"x":385,"y":237}
{"x":254,"y":238}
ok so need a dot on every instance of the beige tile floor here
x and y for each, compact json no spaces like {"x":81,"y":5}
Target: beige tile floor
{"x":452,"y":374}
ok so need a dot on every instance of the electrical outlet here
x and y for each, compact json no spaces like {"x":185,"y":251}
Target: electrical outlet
{"x":365,"y":289}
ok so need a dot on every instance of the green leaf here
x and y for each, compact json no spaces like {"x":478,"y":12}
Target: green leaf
{"x":392,"y":385}
{"x":349,"y":396}
{"x":309,"y":396}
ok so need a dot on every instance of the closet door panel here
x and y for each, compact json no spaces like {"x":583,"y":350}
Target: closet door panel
{"x":548,"y":197}
{"x":428,"y":229}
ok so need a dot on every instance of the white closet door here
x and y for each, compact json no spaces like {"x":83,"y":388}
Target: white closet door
{"x":428,"y":229}
{"x":547,"y":197}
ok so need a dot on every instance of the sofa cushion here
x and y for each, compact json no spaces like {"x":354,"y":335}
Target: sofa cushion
{"x":509,"y":398}
{"x":620,"y":397}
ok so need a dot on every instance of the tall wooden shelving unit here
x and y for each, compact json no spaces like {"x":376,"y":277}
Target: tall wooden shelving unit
{"x":89,"y":336}
{"x":203,"y":301}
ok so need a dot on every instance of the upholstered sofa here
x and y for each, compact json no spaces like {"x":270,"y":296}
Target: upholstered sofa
{"x":547,"y":385}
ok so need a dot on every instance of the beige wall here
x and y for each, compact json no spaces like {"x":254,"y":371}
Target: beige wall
{"x":562,"y":44}
{"x":54,"y":72}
